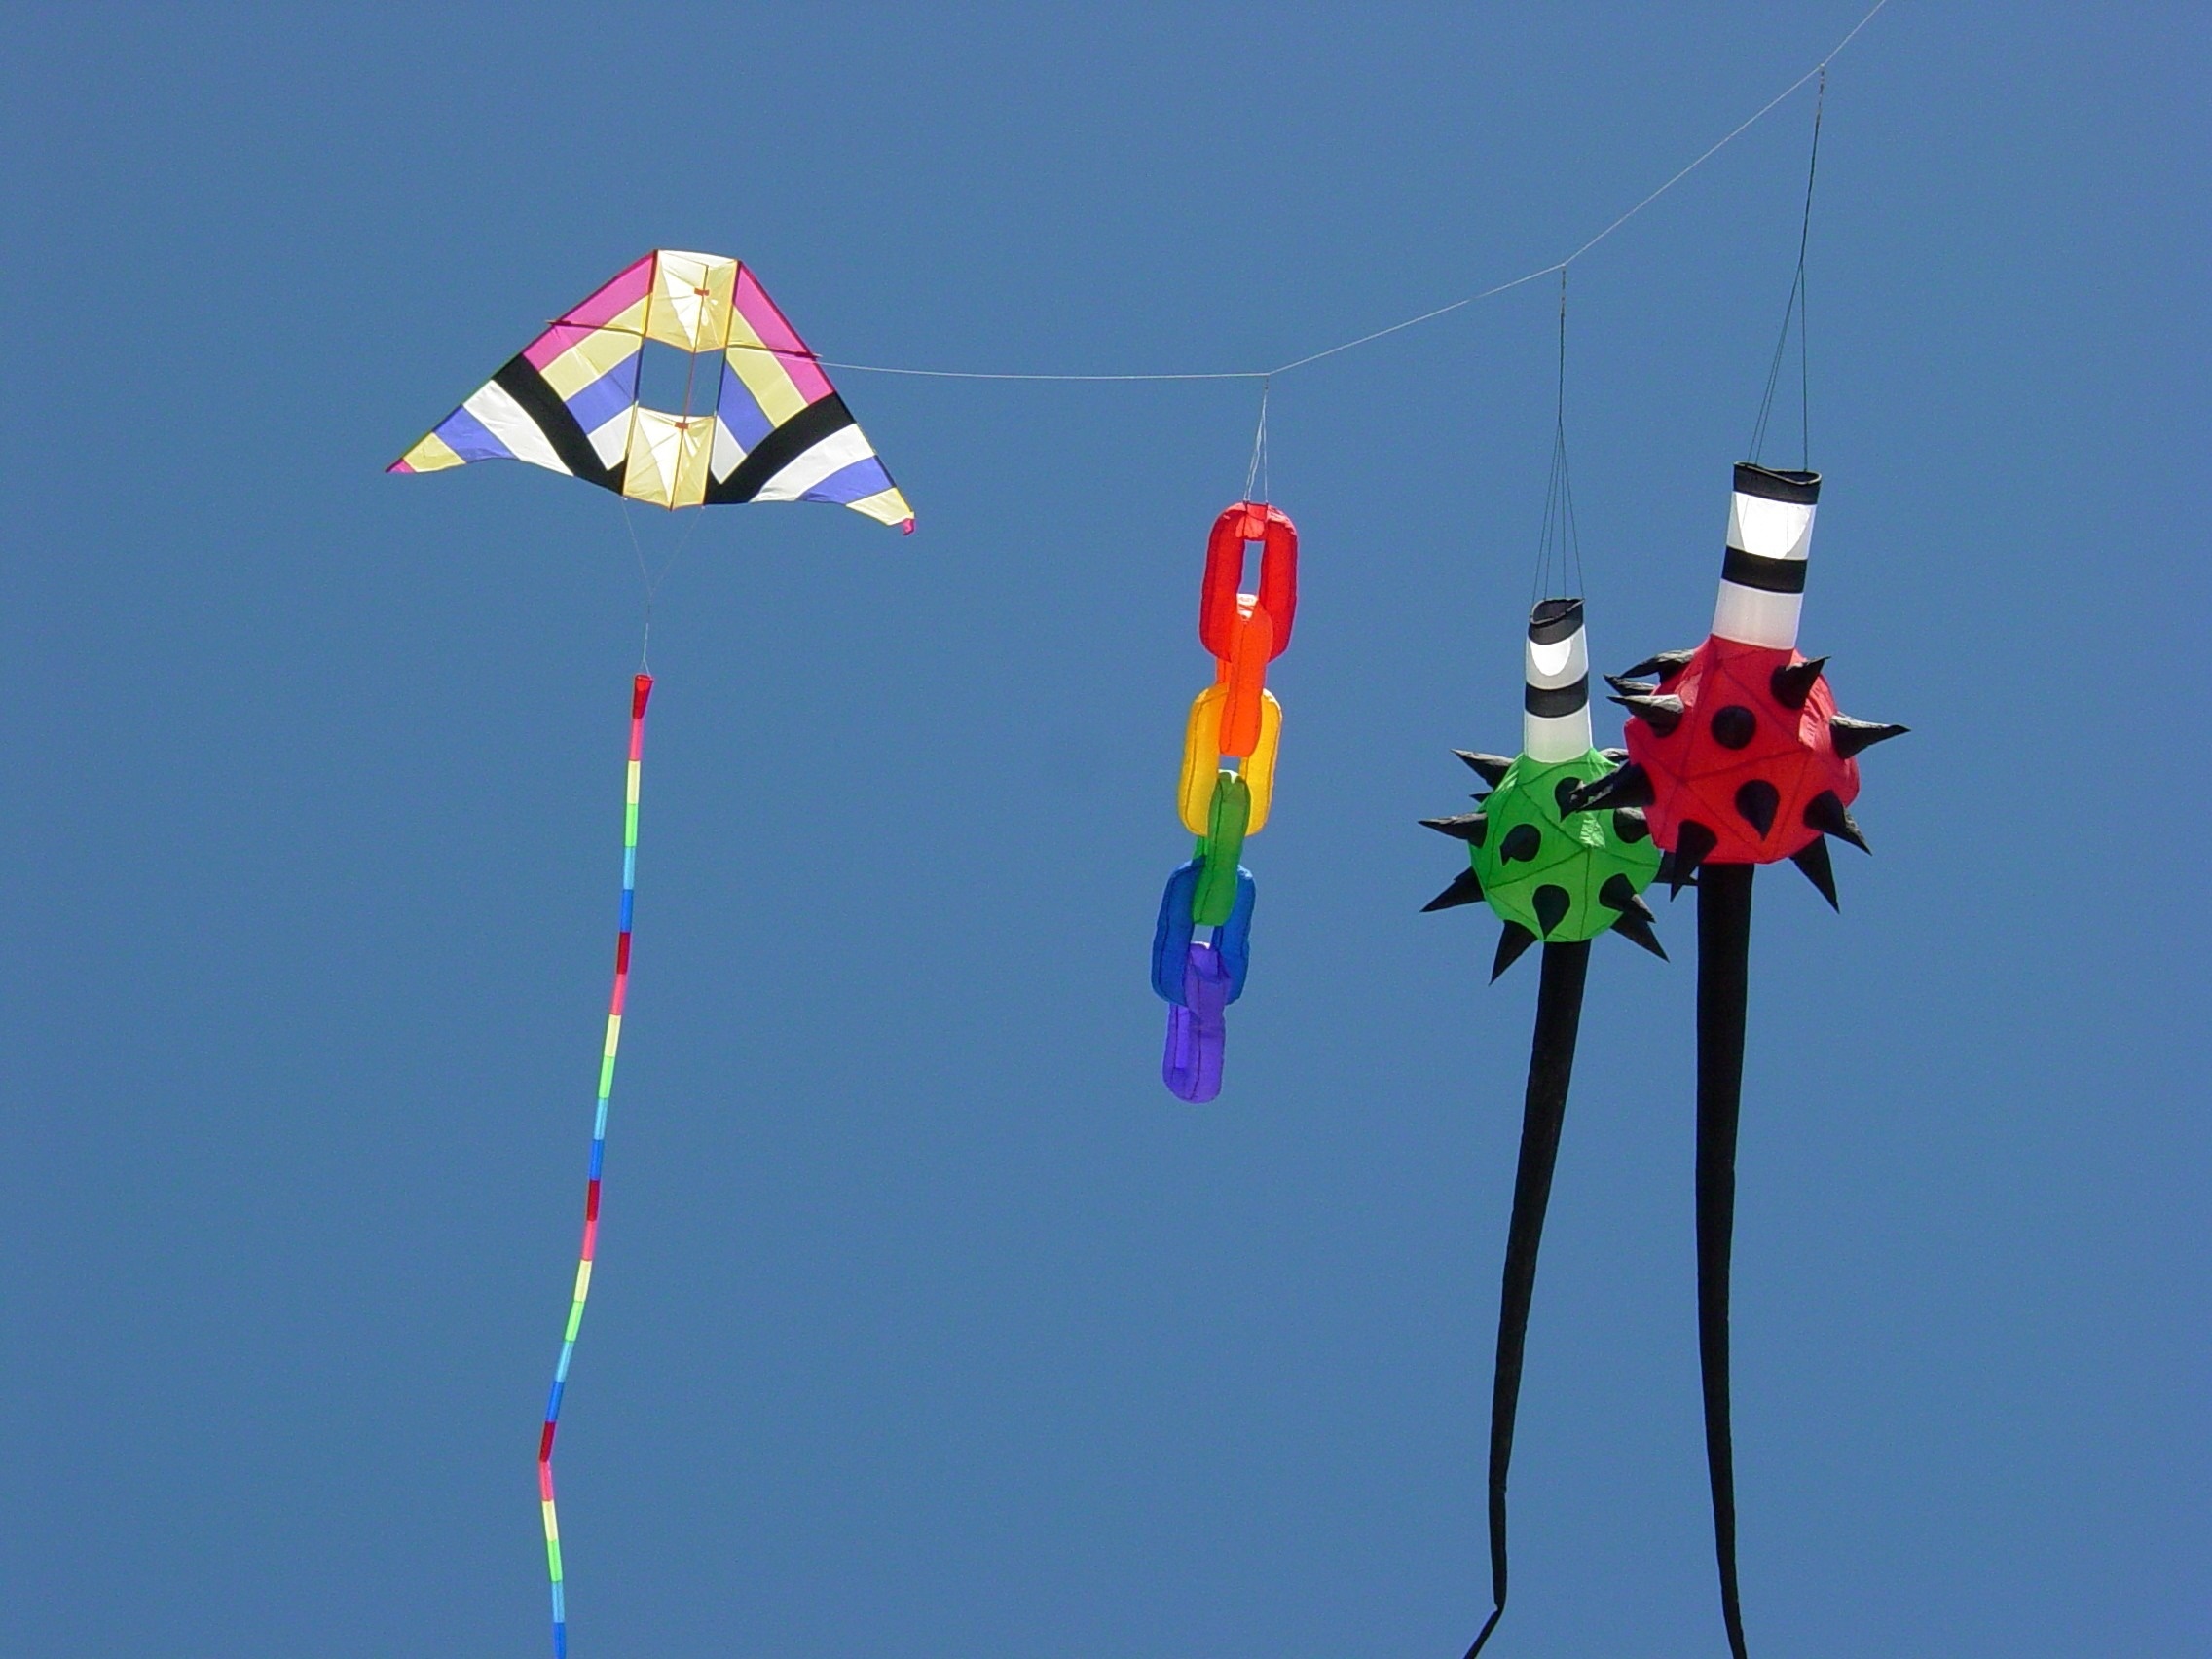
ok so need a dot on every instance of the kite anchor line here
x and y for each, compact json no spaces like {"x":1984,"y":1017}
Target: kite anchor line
{"x":640,"y":689}
{"x":1818,"y":69}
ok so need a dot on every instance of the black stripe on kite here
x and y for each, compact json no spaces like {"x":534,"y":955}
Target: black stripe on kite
{"x":551,"y":417}
{"x":1550,"y":702}
{"x":1723,"y":969}
{"x":1802,"y":488}
{"x":1553,"y":620}
{"x":1551,"y":1068}
{"x":1768,"y":575}
{"x":779,"y":448}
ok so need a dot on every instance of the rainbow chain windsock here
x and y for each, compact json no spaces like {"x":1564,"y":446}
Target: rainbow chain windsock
{"x":1228,"y":783}
{"x":641,"y":689}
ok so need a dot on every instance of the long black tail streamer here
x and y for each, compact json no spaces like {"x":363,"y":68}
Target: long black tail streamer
{"x":1551,"y":1068}
{"x":1723,"y":970}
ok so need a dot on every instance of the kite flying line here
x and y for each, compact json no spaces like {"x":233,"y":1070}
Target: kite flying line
{"x":1558,"y":267}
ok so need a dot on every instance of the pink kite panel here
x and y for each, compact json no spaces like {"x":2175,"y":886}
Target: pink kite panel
{"x":625,"y":291}
{"x":759,"y":310}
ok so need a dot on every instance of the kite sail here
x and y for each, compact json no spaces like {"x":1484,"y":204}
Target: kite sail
{"x":775,"y":430}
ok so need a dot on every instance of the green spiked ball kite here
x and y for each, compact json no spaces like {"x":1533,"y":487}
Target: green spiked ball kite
{"x":1562,"y":877}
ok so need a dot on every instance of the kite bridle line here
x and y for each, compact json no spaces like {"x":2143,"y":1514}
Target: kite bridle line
{"x":649,"y":580}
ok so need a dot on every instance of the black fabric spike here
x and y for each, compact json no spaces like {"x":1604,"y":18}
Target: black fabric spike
{"x":1466,"y":827}
{"x":1619,"y":894}
{"x":1723,"y":973}
{"x":1661,"y":713}
{"x":1666,"y":665}
{"x":1543,"y":1114}
{"x":1667,"y":875}
{"x":1759,"y":801}
{"x":1551,"y":904}
{"x":1630,"y":825}
{"x":1819,"y":871}
{"x":1693,"y":843}
{"x":1618,"y":757}
{"x":1623,"y":786}
{"x":1491,"y":766}
{"x":1637,"y":930}
{"x":1828,"y":815}
{"x":1628,"y":687}
{"x":1465,"y":889}
{"x":1515,"y":939}
{"x":1851,"y":736}
{"x":1792,"y":684}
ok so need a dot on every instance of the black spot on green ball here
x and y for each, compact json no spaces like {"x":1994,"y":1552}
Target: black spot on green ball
{"x":1551,"y":904}
{"x":1522,"y":842}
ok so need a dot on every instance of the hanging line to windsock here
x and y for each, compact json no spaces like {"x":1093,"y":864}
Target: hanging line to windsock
{"x":640,"y":689}
{"x":1752,"y":609}
{"x":1817,"y":70}
{"x":1561,"y":537}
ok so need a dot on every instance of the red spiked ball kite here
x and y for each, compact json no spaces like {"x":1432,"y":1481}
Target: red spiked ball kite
{"x":1739,"y":758}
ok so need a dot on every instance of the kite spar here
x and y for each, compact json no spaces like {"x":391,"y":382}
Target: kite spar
{"x":768,"y":427}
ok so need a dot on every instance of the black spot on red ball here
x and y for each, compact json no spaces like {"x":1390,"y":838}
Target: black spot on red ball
{"x":1734,"y":726}
{"x":1521,"y":843}
{"x":1757,"y":802}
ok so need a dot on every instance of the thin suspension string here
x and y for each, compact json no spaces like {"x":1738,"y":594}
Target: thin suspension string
{"x":1560,"y":535}
{"x":1818,"y":70}
{"x":1798,"y":305}
{"x":1257,"y":472}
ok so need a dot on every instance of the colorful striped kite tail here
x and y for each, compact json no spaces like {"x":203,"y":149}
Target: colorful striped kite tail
{"x":640,"y":692}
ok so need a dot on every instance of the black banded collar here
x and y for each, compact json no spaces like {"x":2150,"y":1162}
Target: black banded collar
{"x":1553,"y":620}
{"x":1801,"y":488}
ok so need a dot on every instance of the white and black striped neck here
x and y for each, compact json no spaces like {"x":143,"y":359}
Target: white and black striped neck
{"x":1762,"y":576}
{"x":1555,"y":722}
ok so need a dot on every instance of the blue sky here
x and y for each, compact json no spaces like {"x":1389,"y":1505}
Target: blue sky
{"x":927,"y":1324}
